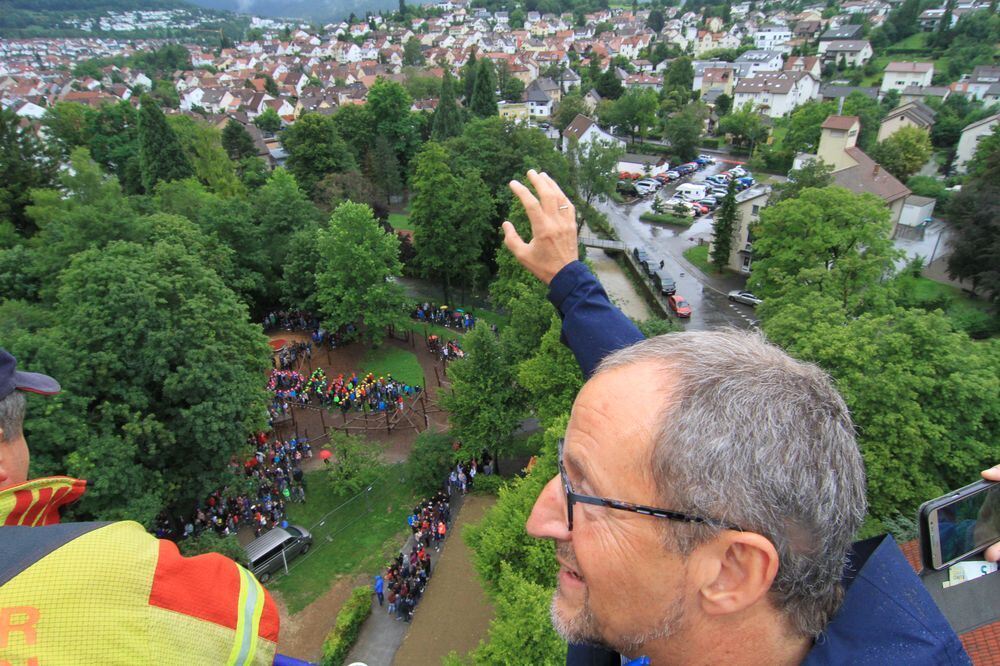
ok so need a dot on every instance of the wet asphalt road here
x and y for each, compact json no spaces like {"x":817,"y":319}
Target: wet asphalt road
{"x":710,"y":306}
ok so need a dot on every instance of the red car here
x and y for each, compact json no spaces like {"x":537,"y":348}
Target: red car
{"x":679,"y":305}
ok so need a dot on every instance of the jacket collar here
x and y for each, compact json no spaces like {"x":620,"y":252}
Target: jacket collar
{"x":36,"y":502}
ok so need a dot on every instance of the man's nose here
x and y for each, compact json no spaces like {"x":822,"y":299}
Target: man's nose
{"x":548,"y":516}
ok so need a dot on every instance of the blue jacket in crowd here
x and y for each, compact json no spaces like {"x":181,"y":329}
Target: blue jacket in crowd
{"x":887,"y":616}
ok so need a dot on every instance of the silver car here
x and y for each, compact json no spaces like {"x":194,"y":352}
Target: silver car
{"x":745,"y":297}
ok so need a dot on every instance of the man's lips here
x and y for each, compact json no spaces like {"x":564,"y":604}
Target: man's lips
{"x":569,"y":570}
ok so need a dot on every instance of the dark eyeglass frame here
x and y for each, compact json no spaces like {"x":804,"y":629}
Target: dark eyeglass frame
{"x":573,"y":497}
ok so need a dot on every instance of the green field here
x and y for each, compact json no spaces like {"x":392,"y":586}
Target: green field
{"x":698,"y":255}
{"x":399,"y":221}
{"x":357,"y":538}
{"x":401,"y":364}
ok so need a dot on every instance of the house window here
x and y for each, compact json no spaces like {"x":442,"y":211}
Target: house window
{"x":755,"y":210}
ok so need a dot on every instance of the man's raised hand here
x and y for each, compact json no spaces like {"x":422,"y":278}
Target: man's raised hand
{"x":553,"y":228}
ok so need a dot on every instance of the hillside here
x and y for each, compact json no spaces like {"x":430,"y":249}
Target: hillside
{"x":315,"y":10}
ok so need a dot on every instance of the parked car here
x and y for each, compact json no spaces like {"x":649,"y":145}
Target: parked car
{"x":680,"y":306}
{"x":711,"y":202}
{"x":718,"y":179}
{"x":652,"y":182}
{"x":746,"y":181}
{"x":738,"y":171}
{"x":672,"y":175}
{"x":662,"y":177}
{"x":626,"y":187}
{"x":700,"y":208}
{"x":665,"y":283}
{"x":641,"y":256}
{"x":269,"y":553}
{"x":645,"y":188}
{"x":745,"y":297}
{"x":708,"y":159}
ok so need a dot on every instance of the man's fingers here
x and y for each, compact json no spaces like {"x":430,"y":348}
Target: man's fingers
{"x":528,"y":199}
{"x":513,"y":240}
{"x":992,"y":553}
{"x":992,"y":474}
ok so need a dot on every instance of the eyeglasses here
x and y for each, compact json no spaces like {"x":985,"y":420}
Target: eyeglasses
{"x":574,"y":497}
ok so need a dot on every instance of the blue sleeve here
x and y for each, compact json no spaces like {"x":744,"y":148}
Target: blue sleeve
{"x":592,"y":327}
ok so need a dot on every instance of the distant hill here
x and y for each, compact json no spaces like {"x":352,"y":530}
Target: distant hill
{"x":313,"y":10}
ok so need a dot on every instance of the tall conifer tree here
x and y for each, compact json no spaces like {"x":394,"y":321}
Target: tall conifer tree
{"x":484,"y":96}
{"x":161,"y":157}
{"x":447,"y":118}
{"x":726,"y":223}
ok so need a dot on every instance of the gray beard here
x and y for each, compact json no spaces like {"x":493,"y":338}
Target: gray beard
{"x":584,"y":628}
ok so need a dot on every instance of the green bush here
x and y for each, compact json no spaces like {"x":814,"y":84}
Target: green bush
{"x":666,"y":219}
{"x":488,"y":484}
{"x":210,"y":542}
{"x":598,"y":221}
{"x":430,"y":460}
{"x":345,"y":631}
{"x":710,"y":142}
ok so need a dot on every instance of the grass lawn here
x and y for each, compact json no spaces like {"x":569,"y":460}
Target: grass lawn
{"x":958,"y":301}
{"x":675,"y":220}
{"x":403,"y":365}
{"x":698,"y":255}
{"x":400,"y":221}
{"x":358,"y":537}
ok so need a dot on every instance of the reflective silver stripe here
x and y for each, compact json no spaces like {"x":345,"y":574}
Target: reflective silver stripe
{"x":248,"y":613}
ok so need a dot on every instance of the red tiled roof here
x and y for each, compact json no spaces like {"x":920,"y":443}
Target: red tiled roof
{"x":839,"y":122}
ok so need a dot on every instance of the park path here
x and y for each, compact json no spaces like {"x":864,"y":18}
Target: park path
{"x":452,"y":615}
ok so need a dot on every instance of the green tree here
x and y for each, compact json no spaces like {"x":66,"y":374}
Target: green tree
{"x":813,"y":173}
{"x":511,"y":88}
{"x":974,"y":217}
{"x":161,"y":157}
{"x":683,"y":129}
{"x":745,"y":126}
{"x":356,"y":464}
{"x":596,"y":169}
{"x":25,"y":163}
{"x":430,"y":460}
{"x":237,"y":141}
{"x":469,"y":71}
{"x":804,"y":126}
{"x":202,"y":145}
{"x":904,"y":152}
{"x":269,"y":121}
{"x":484,"y":403}
{"x":679,"y":76}
{"x":826,"y":242}
{"x":447,"y":117}
{"x":608,"y":85}
{"x":570,"y":106}
{"x":655,"y":20}
{"x":315,"y":149}
{"x":389,"y":105}
{"x":412,"y":53}
{"x":551,"y":376}
{"x":65,"y":126}
{"x":452,"y":219}
{"x":725,"y":226}
{"x":385,"y":171}
{"x":357,"y":127}
{"x":635,"y":112}
{"x":113,"y":139}
{"x":155,"y":427}
{"x":211,"y":541}
{"x":484,"y":98}
{"x":270,"y":86}
{"x":355,"y":284}
{"x":723,"y":105}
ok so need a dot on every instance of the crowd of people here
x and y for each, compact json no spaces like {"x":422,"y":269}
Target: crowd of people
{"x":276,"y":478}
{"x":376,"y":394}
{"x":407,"y":575}
{"x":288,"y":356}
{"x":446,"y":350}
{"x":444,"y":316}
{"x":290,"y":320}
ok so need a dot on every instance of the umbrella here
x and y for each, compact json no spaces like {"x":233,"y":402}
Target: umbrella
{"x":325,"y":455}
{"x":278,"y":344}
{"x":444,"y":307}
{"x":460,"y":310}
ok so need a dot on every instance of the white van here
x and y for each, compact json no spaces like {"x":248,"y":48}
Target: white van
{"x":692,"y":191}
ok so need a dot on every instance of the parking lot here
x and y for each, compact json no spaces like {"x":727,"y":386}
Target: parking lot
{"x":709,"y":303}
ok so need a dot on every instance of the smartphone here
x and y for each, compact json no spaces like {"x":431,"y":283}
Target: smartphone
{"x":960,"y":524}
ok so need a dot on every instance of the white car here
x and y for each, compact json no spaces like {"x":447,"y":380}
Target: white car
{"x":651,"y":182}
{"x":745,"y":297}
{"x":644,"y":188}
{"x":738,"y":172}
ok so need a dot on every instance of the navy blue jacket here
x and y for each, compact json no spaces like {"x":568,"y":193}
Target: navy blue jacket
{"x":887,"y":616}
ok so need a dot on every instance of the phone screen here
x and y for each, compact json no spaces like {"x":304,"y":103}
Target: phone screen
{"x":966,"y":525}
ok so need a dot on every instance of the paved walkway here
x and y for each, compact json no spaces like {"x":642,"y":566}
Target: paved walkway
{"x":382,"y":634}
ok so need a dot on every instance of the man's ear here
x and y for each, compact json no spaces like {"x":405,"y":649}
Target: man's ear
{"x":735,"y":571}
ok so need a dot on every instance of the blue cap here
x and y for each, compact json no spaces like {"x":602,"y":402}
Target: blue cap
{"x":11,"y":379}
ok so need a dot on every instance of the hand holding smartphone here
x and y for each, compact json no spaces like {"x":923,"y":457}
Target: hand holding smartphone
{"x":962,"y":523}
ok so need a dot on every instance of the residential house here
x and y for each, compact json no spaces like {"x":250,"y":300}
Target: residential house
{"x":807,"y":29}
{"x":852,"y":168}
{"x":918,"y":94}
{"x":901,"y":75}
{"x":772,"y":37}
{"x":540,"y":103}
{"x":591,"y":100}
{"x":701,"y":66}
{"x":971,"y":136}
{"x":584,"y":130}
{"x":982,"y":78}
{"x":775,"y":93}
{"x":808,"y":64}
{"x":751,"y":63}
{"x":911,"y":114}
{"x":846,"y":52}
{"x":719,"y":79}
{"x":849,"y":31}
{"x":643,"y":81}
{"x":749,"y":203}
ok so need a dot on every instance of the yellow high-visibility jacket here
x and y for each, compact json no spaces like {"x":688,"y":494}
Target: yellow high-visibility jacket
{"x":110,"y":593}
